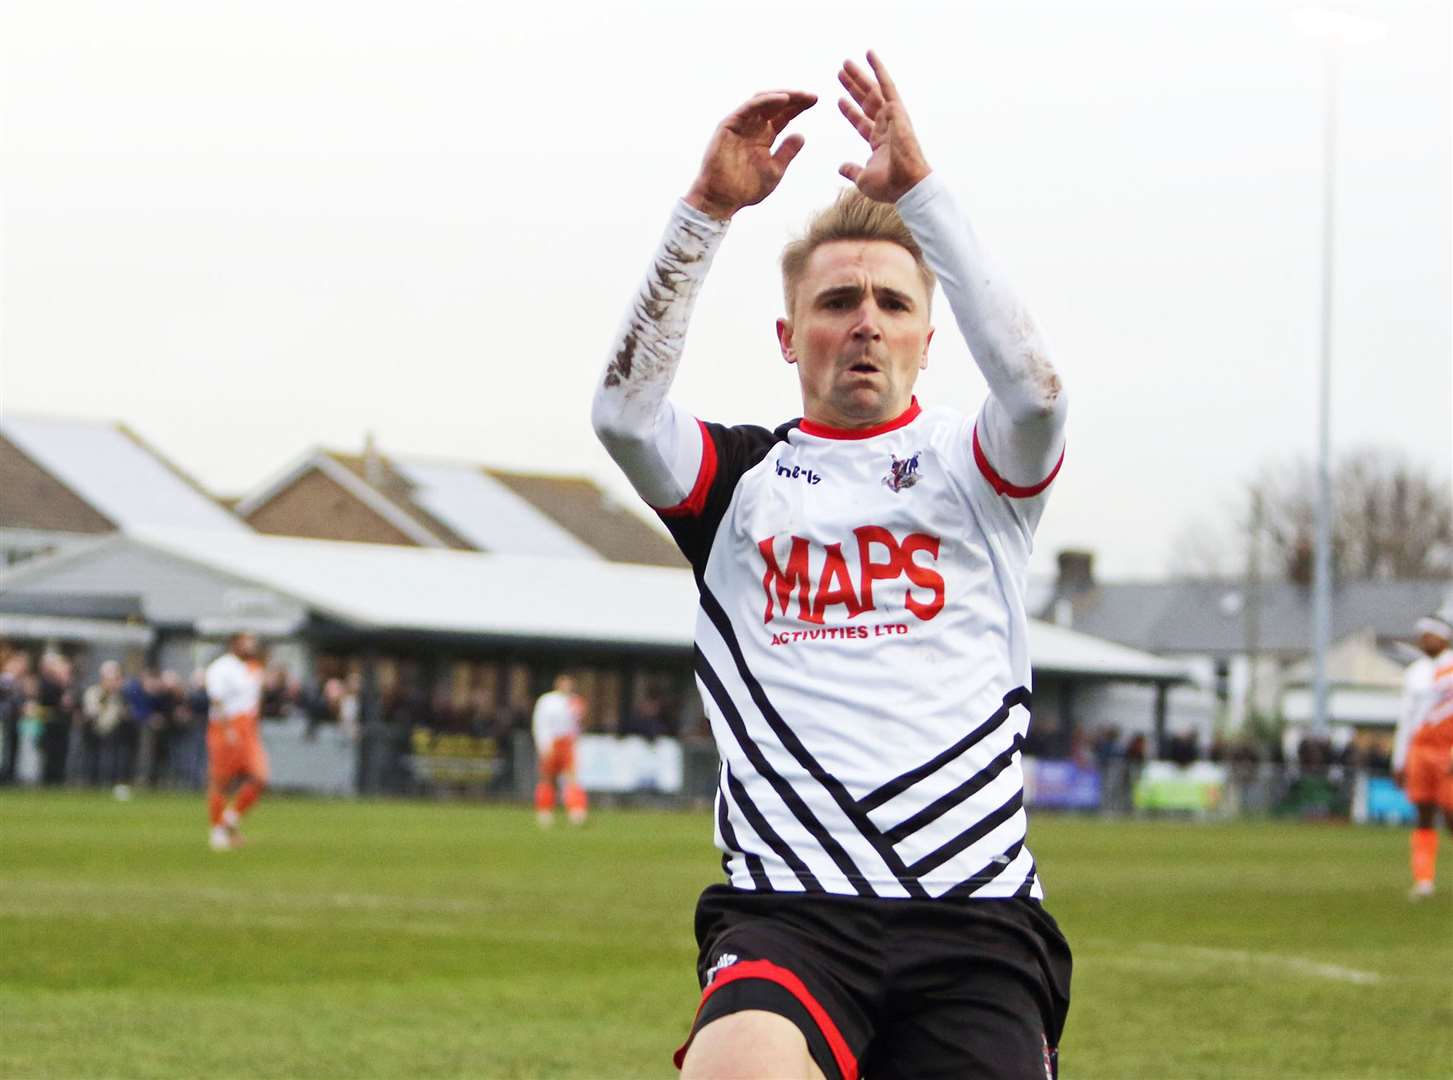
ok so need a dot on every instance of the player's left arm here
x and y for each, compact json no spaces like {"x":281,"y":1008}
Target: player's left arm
{"x":1021,"y":429}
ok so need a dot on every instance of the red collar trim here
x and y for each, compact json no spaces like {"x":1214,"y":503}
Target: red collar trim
{"x":822,"y":431}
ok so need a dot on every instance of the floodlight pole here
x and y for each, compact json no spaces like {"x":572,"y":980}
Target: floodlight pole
{"x":1322,"y":567}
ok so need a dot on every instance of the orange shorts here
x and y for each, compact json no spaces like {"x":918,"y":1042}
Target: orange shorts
{"x":1428,"y":779}
{"x":560,"y":758}
{"x":234,"y":750}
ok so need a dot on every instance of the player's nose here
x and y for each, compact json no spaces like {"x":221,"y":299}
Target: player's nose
{"x":866,"y":327}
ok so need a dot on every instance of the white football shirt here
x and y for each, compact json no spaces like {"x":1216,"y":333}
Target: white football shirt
{"x":557,"y":716}
{"x":1427,"y":701}
{"x":861,"y":643}
{"x":862,"y":653}
{"x":234,"y":686}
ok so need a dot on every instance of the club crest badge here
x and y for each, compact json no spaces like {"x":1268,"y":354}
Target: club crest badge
{"x":903,"y":473}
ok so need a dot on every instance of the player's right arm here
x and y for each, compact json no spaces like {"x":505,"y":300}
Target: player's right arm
{"x":658,"y":445}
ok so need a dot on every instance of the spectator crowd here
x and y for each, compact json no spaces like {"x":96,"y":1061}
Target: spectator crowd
{"x":146,"y":730}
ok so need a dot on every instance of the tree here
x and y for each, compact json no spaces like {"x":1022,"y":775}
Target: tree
{"x":1391,"y":519}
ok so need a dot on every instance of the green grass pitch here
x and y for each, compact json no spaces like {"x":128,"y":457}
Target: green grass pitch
{"x":423,"y":940}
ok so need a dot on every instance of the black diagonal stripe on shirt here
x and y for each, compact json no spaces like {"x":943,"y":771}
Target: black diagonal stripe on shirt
{"x":946,"y":802}
{"x":784,"y":790}
{"x":989,"y":871}
{"x":764,"y":829}
{"x":793,"y":745}
{"x":729,"y":837}
{"x":966,"y":839}
{"x":898,"y":785}
{"x":1027,"y":889}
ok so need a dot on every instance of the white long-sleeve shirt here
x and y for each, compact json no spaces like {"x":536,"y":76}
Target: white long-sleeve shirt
{"x":656,"y":442}
{"x":234,"y":686}
{"x":1427,"y":702}
{"x":557,"y":716}
{"x":862,"y":648}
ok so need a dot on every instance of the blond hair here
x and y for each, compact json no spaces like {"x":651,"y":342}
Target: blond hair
{"x":852,"y":216}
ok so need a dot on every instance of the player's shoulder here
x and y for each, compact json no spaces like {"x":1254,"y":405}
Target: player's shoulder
{"x":945,"y":418}
{"x":745,"y":440}
{"x":949,"y":432}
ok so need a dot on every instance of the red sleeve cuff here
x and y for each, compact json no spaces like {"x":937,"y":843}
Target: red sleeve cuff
{"x":1004,"y":487}
{"x":695,"y":503}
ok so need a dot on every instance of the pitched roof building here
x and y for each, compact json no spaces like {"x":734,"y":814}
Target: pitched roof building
{"x":62,"y":480}
{"x":1247,"y":643}
{"x":371,"y":498}
{"x":1229,"y":617}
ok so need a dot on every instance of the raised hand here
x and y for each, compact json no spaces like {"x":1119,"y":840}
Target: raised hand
{"x":895,"y":162}
{"x":740,"y":167}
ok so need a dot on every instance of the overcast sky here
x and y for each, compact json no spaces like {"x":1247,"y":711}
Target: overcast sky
{"x":247,"y":229}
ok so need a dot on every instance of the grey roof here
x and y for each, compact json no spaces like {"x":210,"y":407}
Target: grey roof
{"x":1212,"y":616}
{"x":472,"y":507}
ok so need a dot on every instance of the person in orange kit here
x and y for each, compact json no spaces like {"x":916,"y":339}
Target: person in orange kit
{"x":1422,"y":757}
{"x":236,"y":761}
{"x":556,"y":724}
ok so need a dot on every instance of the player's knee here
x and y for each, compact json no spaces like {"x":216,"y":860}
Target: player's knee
{"x":748,"y":1045}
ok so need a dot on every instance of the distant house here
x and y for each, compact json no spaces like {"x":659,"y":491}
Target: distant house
{"x":1248,"y":645}
{"x":64,"y":481}
{"x":412,"y":502}
{"x":1365,"y":682}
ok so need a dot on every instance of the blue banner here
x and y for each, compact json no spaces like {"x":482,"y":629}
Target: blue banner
{"x":1387,"y":803}
{"x":1060,"y":785}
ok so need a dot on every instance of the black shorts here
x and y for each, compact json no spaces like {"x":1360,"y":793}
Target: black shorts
{"x":891,"y":988}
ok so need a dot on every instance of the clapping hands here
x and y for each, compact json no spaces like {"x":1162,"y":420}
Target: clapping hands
{"x":741,"y":168}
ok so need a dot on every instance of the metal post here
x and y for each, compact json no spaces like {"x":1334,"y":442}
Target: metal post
{"x":1253,"y":610}
{"x":1322,"y":569}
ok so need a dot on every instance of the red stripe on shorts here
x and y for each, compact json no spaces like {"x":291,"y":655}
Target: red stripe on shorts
{"x":764,"y":969}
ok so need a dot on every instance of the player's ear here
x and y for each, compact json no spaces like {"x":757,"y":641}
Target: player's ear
{"x":923,"y":359}
{"x":784,"y":340}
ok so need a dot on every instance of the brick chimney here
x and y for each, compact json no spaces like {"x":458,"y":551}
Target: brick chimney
{"x":1076,"y":572}
{"x":1076,"y":577}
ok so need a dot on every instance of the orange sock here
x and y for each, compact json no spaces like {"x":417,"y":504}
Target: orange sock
{"x":575,"y":799}
{"x":215,"y":805}
{"x":1425,"y":854}
{"x":544,"y":796}
{"x":247,"y":795}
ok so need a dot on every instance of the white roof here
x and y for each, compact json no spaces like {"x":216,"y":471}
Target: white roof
{"x":512,"y":596}
{"x":115,"y":475}
{"x":486,"y":513}
{"x":1060,"y":649}
{"x":441,"y":590}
